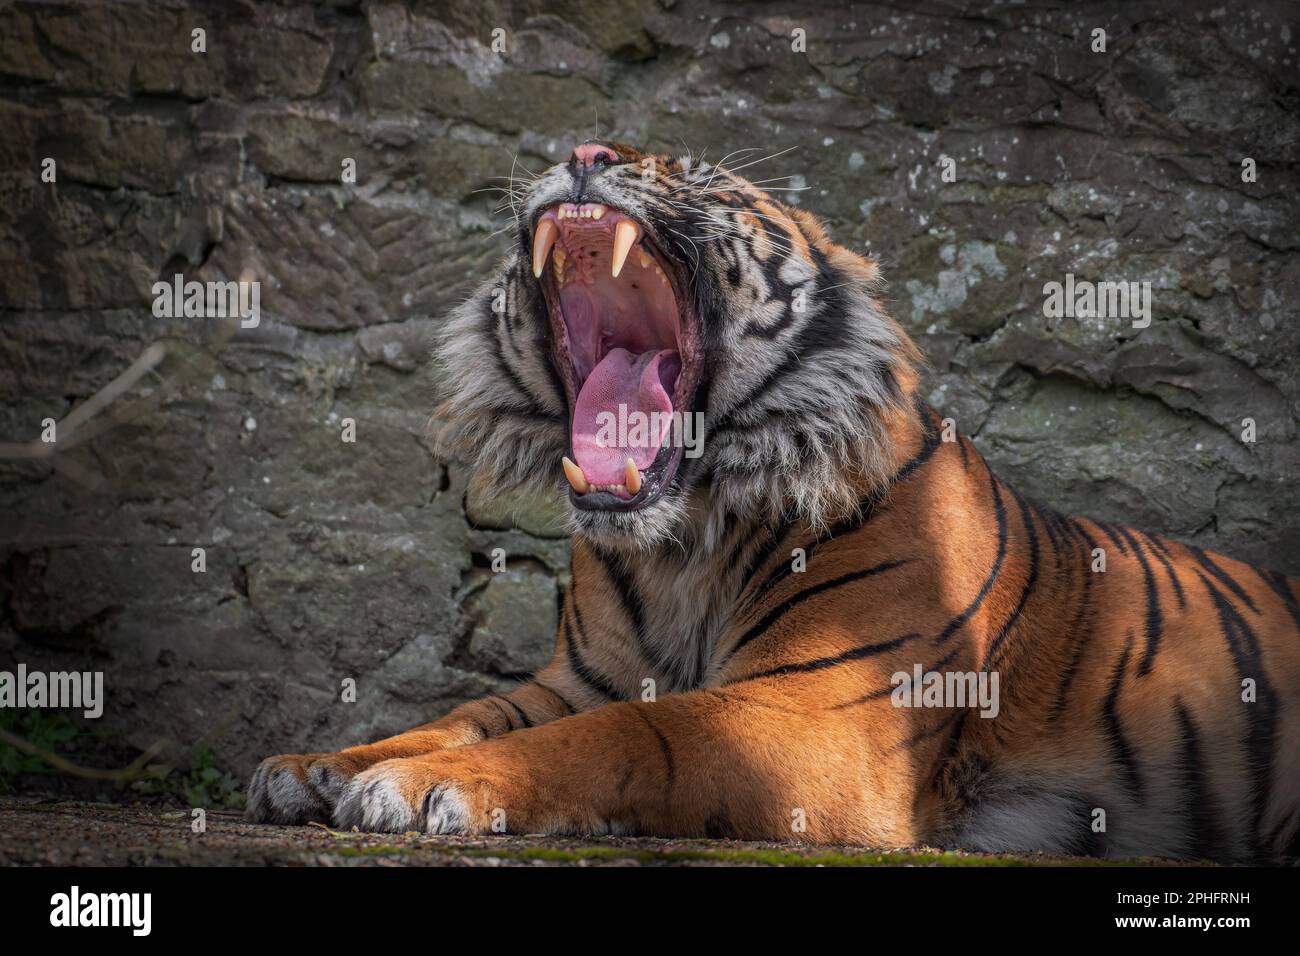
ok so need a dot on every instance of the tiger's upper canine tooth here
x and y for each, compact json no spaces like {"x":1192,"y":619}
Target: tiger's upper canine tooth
{"x":631,"y":477}
{"x":543,"y":240}
{"x":626,"y":233}
{"x":575,"y":476}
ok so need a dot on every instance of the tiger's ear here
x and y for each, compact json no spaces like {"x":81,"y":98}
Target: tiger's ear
{"x":861,"y":269}
{"x":499,"y":405}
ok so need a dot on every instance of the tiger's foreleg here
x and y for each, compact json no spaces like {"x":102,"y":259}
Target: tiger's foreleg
{"x":295,"y":788}
{"x":706,"y":763}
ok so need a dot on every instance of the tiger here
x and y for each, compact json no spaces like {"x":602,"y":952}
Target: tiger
{"x":745,"y":648}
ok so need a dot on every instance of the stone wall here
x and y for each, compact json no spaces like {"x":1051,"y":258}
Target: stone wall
{"x":329,"y":560}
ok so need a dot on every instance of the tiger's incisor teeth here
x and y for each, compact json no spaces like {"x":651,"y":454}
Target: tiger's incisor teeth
{"x":543,"y":240}
{"x":575,"y":476}
{"x":626,"y":233}
{"x":631,"y":477}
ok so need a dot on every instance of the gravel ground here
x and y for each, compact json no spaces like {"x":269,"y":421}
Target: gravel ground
{"x":49,"y":832}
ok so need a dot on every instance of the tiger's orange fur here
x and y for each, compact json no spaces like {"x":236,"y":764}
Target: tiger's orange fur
{"x":1122,"y":690}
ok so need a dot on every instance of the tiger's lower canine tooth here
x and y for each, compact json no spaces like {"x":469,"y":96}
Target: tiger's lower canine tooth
{"x":631,"y":477}
{"x":626,"y":233}
{"x":543,"y":240}
{"x":575,"y":476}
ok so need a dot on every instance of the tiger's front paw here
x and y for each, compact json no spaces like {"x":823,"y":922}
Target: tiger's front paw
{"x":297,"y":788}
{"x":435,"y":793}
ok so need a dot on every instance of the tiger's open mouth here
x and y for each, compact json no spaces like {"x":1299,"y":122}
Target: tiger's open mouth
{"x":627,"y":345}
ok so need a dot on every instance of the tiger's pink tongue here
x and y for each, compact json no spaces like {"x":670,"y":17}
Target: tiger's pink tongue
{"x":640,"y":383}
